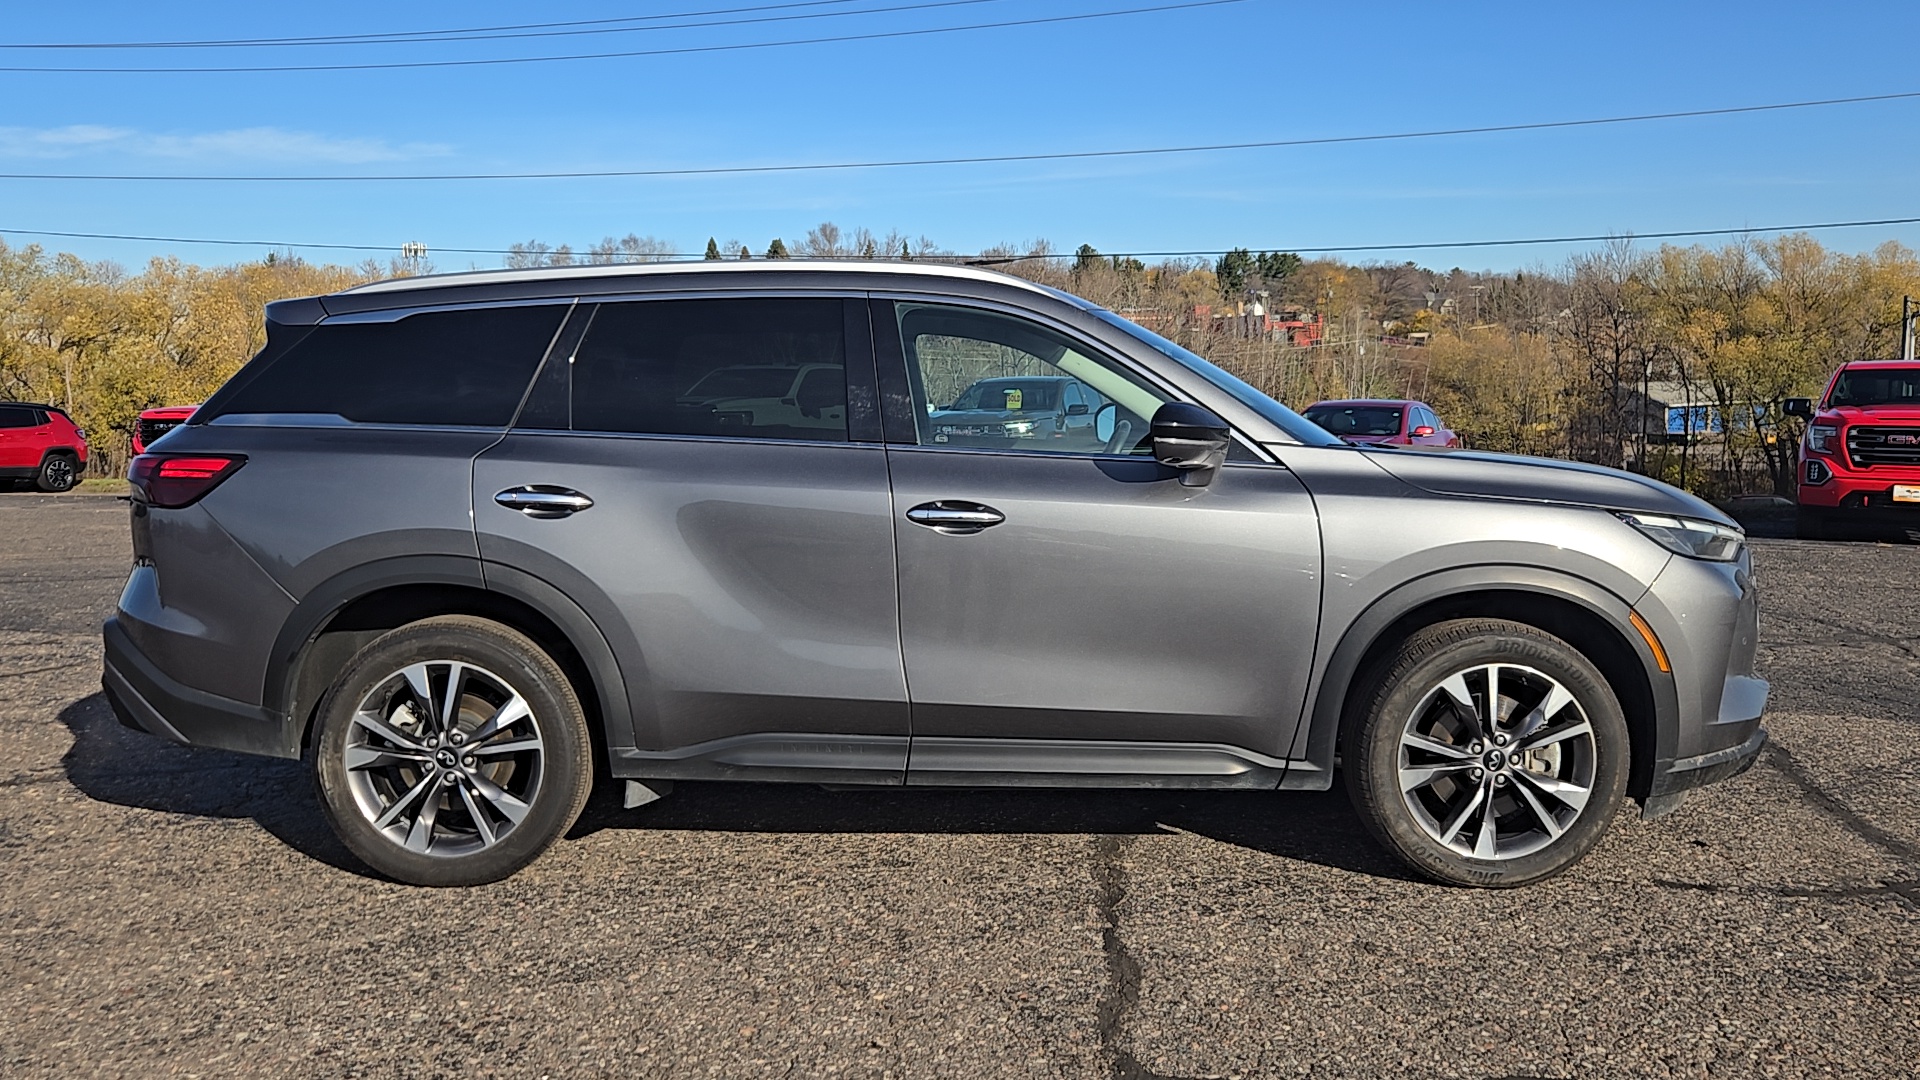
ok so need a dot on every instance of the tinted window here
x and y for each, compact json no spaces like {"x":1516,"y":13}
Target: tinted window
{"x":771,"y":368}
{"x":465,"y":368}
{"x":15,"y":416}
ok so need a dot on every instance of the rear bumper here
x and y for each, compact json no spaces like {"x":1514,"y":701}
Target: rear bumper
{"x":145,"y":699}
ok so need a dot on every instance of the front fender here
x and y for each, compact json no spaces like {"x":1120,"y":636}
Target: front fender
{"x":1314,"y":752}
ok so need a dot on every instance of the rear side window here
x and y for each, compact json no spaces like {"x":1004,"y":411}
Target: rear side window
{"x":466,"y":368}
{"x":17,"y":416}
{"x":760,"y":368}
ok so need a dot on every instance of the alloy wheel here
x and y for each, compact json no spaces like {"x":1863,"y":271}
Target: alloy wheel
{"x":1497,"y":761}
{"x":444,"y":758}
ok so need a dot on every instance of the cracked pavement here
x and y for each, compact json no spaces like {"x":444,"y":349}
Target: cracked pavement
{"x":171,"y":911}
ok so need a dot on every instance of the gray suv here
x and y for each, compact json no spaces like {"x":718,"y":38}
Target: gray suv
{"x":465,"y":541}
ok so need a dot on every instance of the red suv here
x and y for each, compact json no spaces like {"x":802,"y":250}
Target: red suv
{"x":154,"y":423}
{"x":1382,"y":422}
{"x":1860,"y":457}
{"x":40,"y":443}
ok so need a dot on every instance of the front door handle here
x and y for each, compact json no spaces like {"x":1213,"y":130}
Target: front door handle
{"x":955,"y":517}
{"x":543,"y":500}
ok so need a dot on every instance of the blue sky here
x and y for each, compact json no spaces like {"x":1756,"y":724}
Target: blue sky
{"x":1263,"y":69}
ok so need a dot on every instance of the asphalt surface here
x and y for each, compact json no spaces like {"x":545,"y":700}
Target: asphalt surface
{"x":171,"y":911}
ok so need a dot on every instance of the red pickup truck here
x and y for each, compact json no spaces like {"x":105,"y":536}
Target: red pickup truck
{"x":1860,"y":459}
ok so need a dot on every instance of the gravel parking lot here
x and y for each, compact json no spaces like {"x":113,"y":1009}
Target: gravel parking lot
{"x":187,"y":911}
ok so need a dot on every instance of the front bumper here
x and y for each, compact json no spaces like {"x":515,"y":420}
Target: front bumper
{"x":147,"y":700}
{"x":1856,"y":490}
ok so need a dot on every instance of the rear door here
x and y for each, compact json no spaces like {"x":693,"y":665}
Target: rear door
{"x":738,"y":559}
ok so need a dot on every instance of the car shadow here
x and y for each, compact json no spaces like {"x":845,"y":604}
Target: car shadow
{"x":1318,"y":827}
{"x":115,"y":765}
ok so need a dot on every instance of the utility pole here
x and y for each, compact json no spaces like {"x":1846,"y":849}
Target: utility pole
{"x":1907,"y":315}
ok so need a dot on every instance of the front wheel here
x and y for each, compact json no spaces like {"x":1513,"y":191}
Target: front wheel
{"x":451,"y":751}
{"x":1488,"y":753}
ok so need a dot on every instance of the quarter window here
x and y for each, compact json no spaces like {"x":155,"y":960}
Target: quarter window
{"x":772,"y":368}
{"x":466,"y":368}
{"x":984,"y":380}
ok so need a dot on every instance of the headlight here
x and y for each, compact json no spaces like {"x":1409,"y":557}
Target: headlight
{"x":1020,"y":428}
{"x":1690,"y":537}
{"x":1818,"y":435}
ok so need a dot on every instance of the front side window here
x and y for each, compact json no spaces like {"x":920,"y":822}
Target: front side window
{"x":772,"y":368}
{"x":17,"y":416}
{"x":985,"y":380}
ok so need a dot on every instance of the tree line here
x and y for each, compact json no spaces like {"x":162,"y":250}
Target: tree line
{"x":1556,"y":361}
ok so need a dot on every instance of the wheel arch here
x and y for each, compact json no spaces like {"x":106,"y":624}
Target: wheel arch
{"x":339,"y":616}
{"x":1587,"y":616}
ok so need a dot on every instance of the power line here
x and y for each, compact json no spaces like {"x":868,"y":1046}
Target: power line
{"x":1067,"y":155}
{"x":570,"y":33}
{"x":998,"y":260}
{"x":404,"y":35}
{"x":683,"y":51}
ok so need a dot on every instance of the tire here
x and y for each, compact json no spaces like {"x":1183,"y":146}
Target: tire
{"x":1811,"y":524}
{"x":428,"y":803}
{"x":58,"y":473}
{"x":1420,"y":765}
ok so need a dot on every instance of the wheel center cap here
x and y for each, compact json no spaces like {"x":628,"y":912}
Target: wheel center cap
{"x":1496,"y":760}
{"x":446,"y":759}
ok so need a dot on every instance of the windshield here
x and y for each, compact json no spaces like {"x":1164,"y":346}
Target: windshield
{"x":1298,"y":427}
{"x":1877,"y":386}
{"x":744,"y":382}
{"x":1013,"y":395}
{"x":1356,"y":419}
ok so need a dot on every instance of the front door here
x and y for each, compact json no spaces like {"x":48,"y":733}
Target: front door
{"x":1056,"y":593}
{"x":736,"y":551}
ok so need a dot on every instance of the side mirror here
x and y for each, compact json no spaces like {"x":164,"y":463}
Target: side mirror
{"x":1798,"y":406}
{"x":1191,"y":439}
{"x":1076,"y":410}
{"x":1422,"y":431}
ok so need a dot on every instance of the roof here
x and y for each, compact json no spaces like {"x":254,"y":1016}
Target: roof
{"x":753,"y":266}
{"x":1869,"y":365}
{"x":1398,"y":403}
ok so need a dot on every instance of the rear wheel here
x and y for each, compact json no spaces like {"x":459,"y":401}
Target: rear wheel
{"x":451,"y":751}
{"x":59,"y":472}
{"x":1489,"y":753}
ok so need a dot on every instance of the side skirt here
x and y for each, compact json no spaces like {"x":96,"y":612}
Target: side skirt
{"x":891,"y":761}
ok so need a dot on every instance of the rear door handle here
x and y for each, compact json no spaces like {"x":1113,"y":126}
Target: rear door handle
{"x":954,"y":516}
{"x":543,"y":500}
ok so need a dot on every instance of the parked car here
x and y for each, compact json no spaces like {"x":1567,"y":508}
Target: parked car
{"x":452,"y":539}
{"x":40,"y":443}
{"x":1860,"y":456}
{"x":153,"y":423}
{"x":1006,"y":412}
{"x":1382,"y":422}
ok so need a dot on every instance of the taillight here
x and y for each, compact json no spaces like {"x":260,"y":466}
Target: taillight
{"x":171,"y":481}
